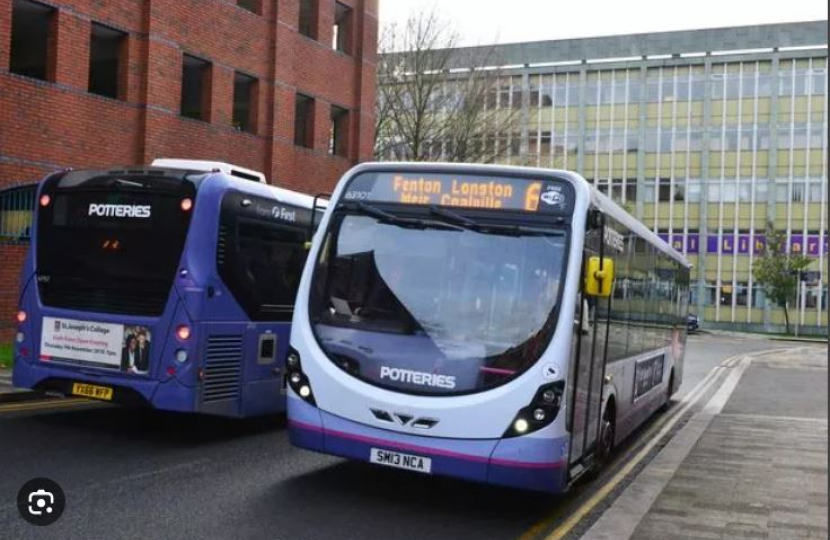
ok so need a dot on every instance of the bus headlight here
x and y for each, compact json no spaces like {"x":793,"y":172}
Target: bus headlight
{"x":296,"y":379}
{"x":20,"y":337}
{"x":541,"y":411}
{"x":181,"y":356}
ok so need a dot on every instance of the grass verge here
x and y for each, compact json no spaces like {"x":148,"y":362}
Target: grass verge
{"x":5,"y":355}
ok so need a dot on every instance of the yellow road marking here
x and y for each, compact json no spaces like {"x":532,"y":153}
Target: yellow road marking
{"x":661,"y":428}
{"x":38,"y":405}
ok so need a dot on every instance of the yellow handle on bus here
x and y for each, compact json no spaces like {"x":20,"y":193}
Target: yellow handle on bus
{"x":599,"y":277}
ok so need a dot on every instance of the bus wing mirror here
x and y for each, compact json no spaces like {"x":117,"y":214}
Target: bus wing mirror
{"x":599,"y":277}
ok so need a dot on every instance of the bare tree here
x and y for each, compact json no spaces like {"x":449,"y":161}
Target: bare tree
{"x":439,"y":102}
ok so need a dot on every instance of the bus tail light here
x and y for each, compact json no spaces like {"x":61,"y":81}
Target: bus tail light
{"x":541,"y":412}
{"x":296,"y":379}
{"x":21,"y":317}
{"x":183,"y":332}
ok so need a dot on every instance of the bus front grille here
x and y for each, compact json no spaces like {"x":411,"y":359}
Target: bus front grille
{"x":223,"y":368}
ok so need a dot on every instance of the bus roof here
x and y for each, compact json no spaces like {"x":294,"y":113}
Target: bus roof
{"x":612,"y":209}
{"x":210,"y":166}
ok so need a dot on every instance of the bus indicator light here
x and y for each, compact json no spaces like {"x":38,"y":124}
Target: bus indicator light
{"x":21,"y":316}
{"x":183,"y":332}
{"x":45,"y":200}
{"x":187,"y":205}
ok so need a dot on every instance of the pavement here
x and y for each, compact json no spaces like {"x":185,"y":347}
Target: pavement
{"x":11,"y":394}
{"x":740,"y":454}
{"x":751,"y":463}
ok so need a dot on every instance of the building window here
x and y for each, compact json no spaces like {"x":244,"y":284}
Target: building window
{"x":244,"y":102}
{"x":342,"y":29}
{"x":254,"y":6}
{"x":665,"y":190}
{"x":195,"y":88}
{"x":308,"y":18}
{"x":742,"y":295}
{"x":693,"y":190}
{"x":106,"y":48}
{"x":726,"y":292}
{"x":304,"y":121}
{"x":798,"y":192}
{"x":338,"y":139}
{"x":631,"y":190}
{"x":31,"y":39}
{"x":710,"y":294}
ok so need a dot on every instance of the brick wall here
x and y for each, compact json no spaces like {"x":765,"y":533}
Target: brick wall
{"x":12,"y":257}
{"x":57,"y":124}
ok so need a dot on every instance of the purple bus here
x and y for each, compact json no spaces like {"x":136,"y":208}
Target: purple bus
{"x":168,"y":286}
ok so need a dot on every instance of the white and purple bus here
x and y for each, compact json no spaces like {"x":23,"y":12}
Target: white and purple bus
{"x":170,"y":286}
{"x":496,"y":324}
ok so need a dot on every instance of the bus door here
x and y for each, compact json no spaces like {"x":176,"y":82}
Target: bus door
{"x":588,"y":368}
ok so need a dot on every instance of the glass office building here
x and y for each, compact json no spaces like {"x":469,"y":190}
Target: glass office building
{"x":706,"y":136}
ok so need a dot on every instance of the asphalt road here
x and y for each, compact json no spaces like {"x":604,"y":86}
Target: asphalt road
{"x":131,"y":473}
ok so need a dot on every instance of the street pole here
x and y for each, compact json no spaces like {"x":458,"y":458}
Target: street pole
{"x":798,"y":306}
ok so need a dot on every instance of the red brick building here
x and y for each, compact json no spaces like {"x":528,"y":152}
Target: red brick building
{"x":286,"y":87}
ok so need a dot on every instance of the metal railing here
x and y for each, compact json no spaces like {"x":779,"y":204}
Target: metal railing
{"x":17,"y":206}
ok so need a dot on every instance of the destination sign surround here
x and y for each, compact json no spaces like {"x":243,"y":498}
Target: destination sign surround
{"x":463,"y":191}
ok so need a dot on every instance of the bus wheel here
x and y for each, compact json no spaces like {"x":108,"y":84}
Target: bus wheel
{"x":667,"y":403}
{"x":607,"y":434}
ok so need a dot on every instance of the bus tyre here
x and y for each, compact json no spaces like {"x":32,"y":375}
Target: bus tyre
{"x":667,"y":403}
{"x":607,"y":434}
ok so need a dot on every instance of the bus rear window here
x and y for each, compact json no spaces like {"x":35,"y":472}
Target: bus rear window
{"x":112,"y":248}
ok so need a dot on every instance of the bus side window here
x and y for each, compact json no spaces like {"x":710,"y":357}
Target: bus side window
{"x":262,"y":264}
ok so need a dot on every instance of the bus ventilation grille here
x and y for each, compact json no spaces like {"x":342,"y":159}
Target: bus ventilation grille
{"x":103,"y":296}
{"x":223,"y":367}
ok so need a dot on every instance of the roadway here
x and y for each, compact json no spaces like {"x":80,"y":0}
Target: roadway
{"x":137,"y":473}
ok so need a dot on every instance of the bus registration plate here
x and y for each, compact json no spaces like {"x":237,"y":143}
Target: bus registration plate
{"x":92,"y":391}
{"x":401,"y":461}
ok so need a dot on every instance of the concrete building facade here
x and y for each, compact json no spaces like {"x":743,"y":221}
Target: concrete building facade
{"x":706,"y":136}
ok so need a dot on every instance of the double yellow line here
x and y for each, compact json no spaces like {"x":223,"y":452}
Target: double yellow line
{"x":654,"y":436}
{"x":42,"y":404}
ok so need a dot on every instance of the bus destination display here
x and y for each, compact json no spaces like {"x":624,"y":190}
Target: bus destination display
{"x":463,"y":191}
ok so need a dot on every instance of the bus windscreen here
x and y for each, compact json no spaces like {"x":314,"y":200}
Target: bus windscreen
{"x":435,"y":310}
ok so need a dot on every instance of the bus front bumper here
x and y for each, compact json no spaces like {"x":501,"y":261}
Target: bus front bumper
{"x":523,"y":462}
{"x":168,"y":395}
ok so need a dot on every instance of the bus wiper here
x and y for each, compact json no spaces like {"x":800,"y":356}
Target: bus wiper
{"x":386,"y":217}
{"x":128,"y":183}
{"x":455,"y":217}
{"x":522,"y":230}
{"x":471,"y":224}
